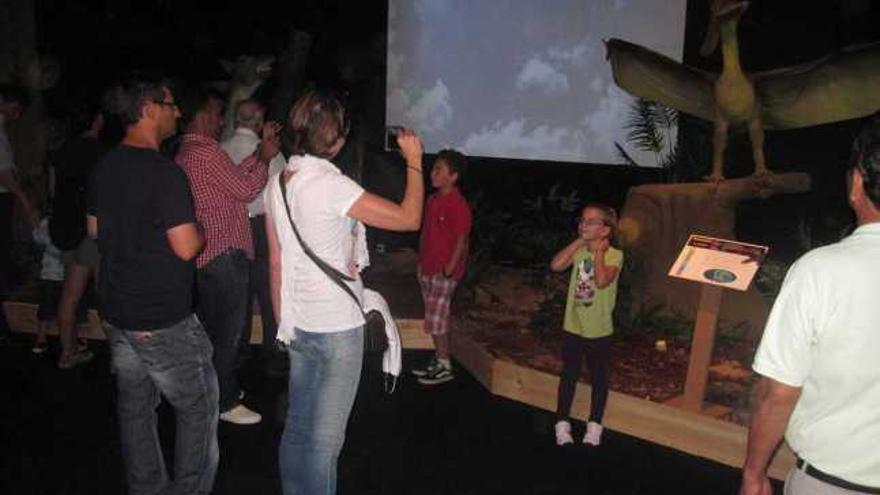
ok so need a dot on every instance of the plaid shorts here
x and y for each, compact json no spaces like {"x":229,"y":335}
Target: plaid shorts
{"x":437,"y":293}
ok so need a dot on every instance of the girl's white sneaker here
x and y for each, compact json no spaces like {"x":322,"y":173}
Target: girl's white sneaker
{"x":563,"y":433}
{"x":594,"y":434}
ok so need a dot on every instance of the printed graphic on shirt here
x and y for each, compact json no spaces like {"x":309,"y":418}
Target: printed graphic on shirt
{"x":585,"y":286}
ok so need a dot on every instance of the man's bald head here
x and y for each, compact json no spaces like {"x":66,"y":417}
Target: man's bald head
{"x":250,"y":114}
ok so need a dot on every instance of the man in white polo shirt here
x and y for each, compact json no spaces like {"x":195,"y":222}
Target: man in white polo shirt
{"x":820,"y":355}
{"x":249,"y":121}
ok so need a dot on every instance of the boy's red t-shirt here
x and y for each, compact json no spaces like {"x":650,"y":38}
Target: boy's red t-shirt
{"x":447,"y":216}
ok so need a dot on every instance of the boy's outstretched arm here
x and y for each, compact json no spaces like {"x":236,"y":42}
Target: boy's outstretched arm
{"x":562,"y":259}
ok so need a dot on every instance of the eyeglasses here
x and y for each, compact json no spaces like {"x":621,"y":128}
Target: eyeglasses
{"x":166,"y":103}
{"x":593,"y":222}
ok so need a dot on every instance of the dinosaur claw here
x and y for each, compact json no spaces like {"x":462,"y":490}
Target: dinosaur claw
{"x":715,"y":178}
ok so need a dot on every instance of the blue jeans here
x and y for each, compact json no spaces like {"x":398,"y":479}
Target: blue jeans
{"x":325,"y":369}
{"x":222,"y":307}
{"x":174,"y":362}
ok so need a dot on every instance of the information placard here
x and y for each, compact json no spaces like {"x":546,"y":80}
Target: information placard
{"x":721,"y":262}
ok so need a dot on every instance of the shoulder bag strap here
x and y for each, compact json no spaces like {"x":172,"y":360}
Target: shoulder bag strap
{"x":334,"y":274}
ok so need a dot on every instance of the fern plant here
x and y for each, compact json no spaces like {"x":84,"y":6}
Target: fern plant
{"x":653,"y":127}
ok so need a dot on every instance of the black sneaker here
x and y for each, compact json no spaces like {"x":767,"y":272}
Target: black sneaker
{"x":427,"y":370}
{"x":438,"y":374}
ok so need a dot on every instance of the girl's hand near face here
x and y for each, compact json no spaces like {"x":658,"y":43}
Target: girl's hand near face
{"x":599,"y":247}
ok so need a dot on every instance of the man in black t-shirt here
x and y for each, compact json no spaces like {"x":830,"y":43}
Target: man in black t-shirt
{"x":141,"y":213}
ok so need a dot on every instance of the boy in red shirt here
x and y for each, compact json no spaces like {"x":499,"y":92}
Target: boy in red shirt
{"x":443,"y":252}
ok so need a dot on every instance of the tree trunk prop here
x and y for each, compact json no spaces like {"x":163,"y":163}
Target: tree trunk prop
{"x":657,"y":220}
{"x":291,"y":74}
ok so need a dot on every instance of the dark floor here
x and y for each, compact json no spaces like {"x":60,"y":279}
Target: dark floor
{"x":58,"y":435}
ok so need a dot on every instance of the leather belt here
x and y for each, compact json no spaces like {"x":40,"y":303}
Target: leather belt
{"x":832,"y":480}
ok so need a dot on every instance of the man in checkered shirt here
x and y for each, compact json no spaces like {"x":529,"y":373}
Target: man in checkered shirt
{"x":221,"y":191}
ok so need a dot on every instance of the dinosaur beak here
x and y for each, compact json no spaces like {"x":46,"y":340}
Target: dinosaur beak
{"x":721,"y":11}
{"x":265,"y":66}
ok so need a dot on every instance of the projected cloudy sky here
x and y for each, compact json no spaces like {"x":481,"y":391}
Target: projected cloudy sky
{"x":520,"y":78}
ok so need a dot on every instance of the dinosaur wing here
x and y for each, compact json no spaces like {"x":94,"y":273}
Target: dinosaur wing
{"x":655,"y":77}
{"x":841,"y":86}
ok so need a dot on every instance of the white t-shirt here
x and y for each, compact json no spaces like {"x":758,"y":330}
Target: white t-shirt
{"x":319,"y":196}
{"x":823,"y":335}
{"x":241,"y":145}
{"x":7,"y":160}
{"x":51,"y":266}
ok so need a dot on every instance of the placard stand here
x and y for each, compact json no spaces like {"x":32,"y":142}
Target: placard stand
{"x":716,"y":264}
{"x":702,"y":344}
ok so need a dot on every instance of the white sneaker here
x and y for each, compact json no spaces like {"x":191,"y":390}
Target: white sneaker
{"x":240,"y":415}
{"x":563,"y":433}
{"x":594,"y":434}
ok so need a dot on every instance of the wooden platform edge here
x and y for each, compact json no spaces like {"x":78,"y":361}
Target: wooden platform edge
{"x":672,"y":427}
{"x":689,"y":432}
{"x":23,"y":318}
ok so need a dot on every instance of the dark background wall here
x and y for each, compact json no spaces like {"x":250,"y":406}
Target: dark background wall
{"x":93,"y":40}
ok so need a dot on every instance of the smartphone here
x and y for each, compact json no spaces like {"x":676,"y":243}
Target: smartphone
{"x":391,"y":133}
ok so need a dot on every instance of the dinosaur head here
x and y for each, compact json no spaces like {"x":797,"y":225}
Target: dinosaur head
{"x":249,"y":70}
{"x":721,"y":12}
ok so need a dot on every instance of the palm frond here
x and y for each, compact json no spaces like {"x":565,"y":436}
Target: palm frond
{"x":643,"y":128}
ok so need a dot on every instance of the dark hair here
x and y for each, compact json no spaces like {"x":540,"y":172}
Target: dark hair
{"x":865,"y":157}
{"x":126,"y":99}
{"x":195,"y":98}
{"x":15,"y":94}
{"x":609,"y":218}
{"x":317,"y":123}
{"x":455,"y":161}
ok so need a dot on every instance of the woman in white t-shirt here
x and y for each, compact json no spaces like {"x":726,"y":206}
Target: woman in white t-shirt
{"x":322,"y":324}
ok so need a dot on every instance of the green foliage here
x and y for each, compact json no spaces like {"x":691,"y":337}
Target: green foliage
{"x":488,"y":226}
{"x":661,"y":321}
{"x":769,"y":279}
{"x":548,"y":319}
{"x":653,"y":127}
{"x":546,"y":224}
{"x":650,"y":125}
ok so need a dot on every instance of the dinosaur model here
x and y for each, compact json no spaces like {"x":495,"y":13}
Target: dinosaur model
{"x":837,"y":87}
{"x":246,"y":74}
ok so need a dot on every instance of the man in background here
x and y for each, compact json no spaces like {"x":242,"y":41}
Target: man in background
{"x":13,"y":102}
{"x":221,"y":190}
{"x":249,"y":122}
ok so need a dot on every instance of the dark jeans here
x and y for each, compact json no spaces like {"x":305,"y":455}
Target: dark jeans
{"x":597,"y":351}
{"x":174,"y":362}
{"x":259,"y":287}
{"x":222,"y":307}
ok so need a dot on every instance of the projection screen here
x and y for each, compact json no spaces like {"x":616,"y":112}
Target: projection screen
{"x":523,"y":79}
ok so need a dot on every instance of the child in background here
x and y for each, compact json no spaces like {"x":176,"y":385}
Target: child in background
{"x":51,"y":278}
{"x":443,"y":250}
{"x":51,"y":282}
{"x":588,"y":326}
